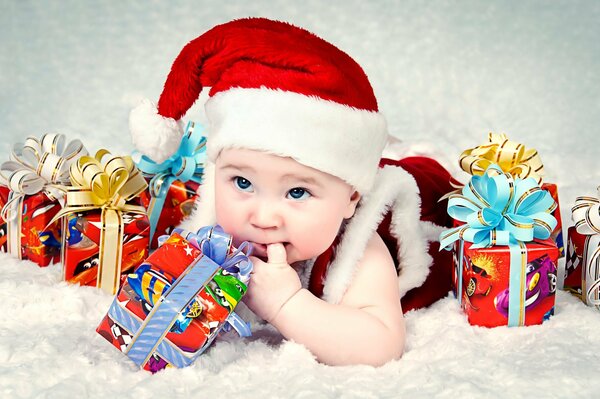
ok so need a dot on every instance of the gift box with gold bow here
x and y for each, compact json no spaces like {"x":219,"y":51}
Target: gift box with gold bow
{"x":505,"y":264}
{"x":173,"y":184}
{"x":582,"y":266}
{"x":30,"y":197}
{"x":174,"y":305}
{"x":105,"y":234}
{"x":517,"y":160}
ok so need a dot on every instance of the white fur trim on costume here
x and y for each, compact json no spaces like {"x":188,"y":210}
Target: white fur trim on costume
{"x":204,"y":208}
{"x":152,"y":134}
{"x":302,"y":127}
{"x":396,"y":189}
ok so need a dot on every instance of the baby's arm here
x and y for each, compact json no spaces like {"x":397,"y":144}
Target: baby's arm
{"x":366,"y":327}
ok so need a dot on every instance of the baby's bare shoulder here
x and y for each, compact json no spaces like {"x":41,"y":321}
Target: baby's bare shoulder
{"x":375,"y":280}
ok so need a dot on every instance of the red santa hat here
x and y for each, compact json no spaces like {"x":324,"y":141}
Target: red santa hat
{"x":273,"y":87}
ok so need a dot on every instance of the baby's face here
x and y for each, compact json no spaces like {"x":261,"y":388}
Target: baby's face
{"x":265,"y":199}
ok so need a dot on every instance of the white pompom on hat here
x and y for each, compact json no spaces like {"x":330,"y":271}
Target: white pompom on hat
{"x":274,"y":87}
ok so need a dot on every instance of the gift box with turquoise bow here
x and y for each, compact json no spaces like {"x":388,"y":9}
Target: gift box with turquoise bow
{"x":30,"y":196}
{"x":582,"y":266}
{"x":172,"y":307}
{"x":505,"y":263}
{"x":173,"y":184}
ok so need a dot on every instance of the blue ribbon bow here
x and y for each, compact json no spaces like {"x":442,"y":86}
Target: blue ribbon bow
{"x":187,"y":164}
{"x":498,"y":209}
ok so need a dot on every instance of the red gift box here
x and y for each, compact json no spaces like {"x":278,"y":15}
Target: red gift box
{"x":194,"y":328}
{"x":578,"y":277}
{"x":31,"y":235}
{"x":484,"y":291}
{"x":178,"y":204}
{"x":557,"y":234}
{"x":81,"y":245}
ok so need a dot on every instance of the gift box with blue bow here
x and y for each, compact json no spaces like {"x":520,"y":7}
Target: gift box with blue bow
{"x":173,"y":184}
{"x":505,"y":263}
{"x":172,"y":307}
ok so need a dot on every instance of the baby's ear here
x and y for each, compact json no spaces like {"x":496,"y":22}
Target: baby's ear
{"x":354,"y":198}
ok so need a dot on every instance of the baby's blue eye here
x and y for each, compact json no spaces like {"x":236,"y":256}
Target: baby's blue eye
{"x":298,"y":193}
{"x":242,"y":183}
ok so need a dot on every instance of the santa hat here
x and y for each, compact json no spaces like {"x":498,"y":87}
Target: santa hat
{"x":280,"y":89}
{"x":273,"y":87}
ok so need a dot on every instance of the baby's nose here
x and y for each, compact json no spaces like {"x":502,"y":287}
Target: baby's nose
{"x":266,"y":216}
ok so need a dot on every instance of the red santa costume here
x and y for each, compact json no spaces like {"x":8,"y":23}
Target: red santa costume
{"x":280,"y":89}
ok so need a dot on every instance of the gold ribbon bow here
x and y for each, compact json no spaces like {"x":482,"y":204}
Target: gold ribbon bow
{"x":105,"y":182}
{"x":512,"y":157}
{"x":586,"y":215}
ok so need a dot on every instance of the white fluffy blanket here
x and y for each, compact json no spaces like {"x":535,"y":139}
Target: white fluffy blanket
{"x":445,"y":74}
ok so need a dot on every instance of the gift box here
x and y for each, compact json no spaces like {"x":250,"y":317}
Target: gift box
{"x":174,"y":305}
{"x":31,"y":198}
{"x":173,"y":184}
{"x":81,"y":248}
{"x":106,"y":235}
{"x":520,"y":162}
{"x":582,"y":266}
{"x":504,"y":261}
{"x":484,"y":283}
{"x":178,"y":204}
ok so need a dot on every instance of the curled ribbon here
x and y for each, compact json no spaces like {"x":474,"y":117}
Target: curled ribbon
{"x":498,"y":209}
{"x":185,"y":165}
{"x":586,"y":215}
{"x":105,"y":182}
{"x":510,"y":156}
{"x":38,"y":165}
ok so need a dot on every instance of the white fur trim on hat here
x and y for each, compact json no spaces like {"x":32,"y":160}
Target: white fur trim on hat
{"x":152,"y":134}
{"x":308,"y":129}
{"x":397,"y":190}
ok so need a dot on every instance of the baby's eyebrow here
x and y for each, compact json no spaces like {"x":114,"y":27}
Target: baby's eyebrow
{"x":243,"y":168}
{"x":301,"y":179}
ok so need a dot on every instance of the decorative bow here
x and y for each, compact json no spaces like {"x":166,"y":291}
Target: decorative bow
{"x":185,"y":165}
{"x":510,"y":156}
{"x":500,"y":210}
{"x":217,"y":244}
{"x":586,"y":215}
{"x":38,"y":165}
{"x":105,"y":182}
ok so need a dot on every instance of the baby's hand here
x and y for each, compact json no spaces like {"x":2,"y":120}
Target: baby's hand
{"x":272,"y":283}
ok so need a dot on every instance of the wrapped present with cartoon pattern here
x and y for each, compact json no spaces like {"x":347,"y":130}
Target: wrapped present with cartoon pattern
{"x":173,"y":184}
{"x":106,"y":235}
{"x":30,"y":196}
{"x":172,"y":307}
{"x":582,"y":266}
{"x":505,"y":263}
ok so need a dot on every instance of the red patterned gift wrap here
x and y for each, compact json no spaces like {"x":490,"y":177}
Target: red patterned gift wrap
{"x":178,"y":204}
{"x":485,"y":280}
{"x":81,"y":247}
{"x":30,"y":235}
{"x":580,"y":275}
{"x":194,"y":328}
{"x":557,"y":233}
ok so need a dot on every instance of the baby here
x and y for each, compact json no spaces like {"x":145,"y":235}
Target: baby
{"x":294,"y":145}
